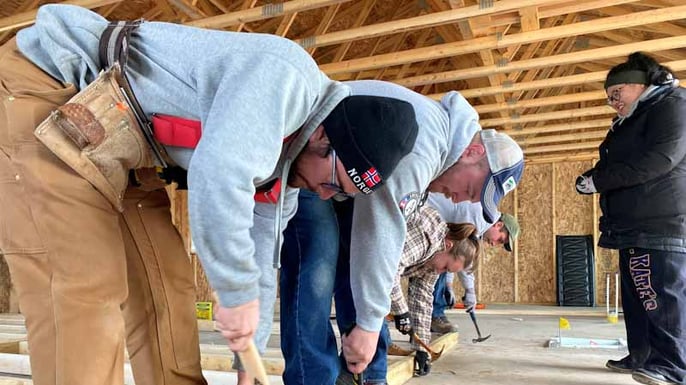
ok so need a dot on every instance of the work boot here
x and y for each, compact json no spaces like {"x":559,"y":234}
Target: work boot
{"x":622,"y":366}
{"x":442,"y":325}
{"x":648,"y":377}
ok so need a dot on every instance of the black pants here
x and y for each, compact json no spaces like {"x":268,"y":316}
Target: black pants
{"x":654,"y":302}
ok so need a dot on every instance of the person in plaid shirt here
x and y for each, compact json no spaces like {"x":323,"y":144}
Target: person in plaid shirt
{"x":431,"y":247}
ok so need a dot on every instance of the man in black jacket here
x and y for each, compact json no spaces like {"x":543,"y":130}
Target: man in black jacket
{"x":641,"y":178}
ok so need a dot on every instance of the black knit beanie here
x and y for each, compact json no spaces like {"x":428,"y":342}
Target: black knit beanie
{"x":370,"y":135}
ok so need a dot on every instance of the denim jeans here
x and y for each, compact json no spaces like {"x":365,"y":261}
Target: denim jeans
{"x":439,"y":299}
{"x":314,"y":266}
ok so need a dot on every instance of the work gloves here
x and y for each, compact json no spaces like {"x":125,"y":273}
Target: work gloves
{"x":469,"y":300}
{"x":449,"y":296}
{"x":584,"y":185}
{"x":422,"y":363}
{"x":402,"y":323}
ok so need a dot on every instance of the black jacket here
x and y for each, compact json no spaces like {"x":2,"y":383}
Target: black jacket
{"x":641,"y":175}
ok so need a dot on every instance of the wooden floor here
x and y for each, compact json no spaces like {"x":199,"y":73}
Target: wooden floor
{"x":215,"y":356}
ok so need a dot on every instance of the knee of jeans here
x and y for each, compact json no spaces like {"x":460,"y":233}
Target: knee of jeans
{"x":322,"y":282}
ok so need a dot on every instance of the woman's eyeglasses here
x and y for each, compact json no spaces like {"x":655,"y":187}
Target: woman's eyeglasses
{"x":333,"y":186}
{"x":615,"y":96}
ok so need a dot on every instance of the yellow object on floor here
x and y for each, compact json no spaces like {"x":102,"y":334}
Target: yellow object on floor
{"x":203,"y":310}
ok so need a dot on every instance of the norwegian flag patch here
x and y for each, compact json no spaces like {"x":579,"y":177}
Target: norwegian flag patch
{"x":371,"y":177}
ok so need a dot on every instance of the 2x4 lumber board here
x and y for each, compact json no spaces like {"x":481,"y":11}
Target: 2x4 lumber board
{"x":498,"y":42}
{"x":17,"y":364}
{"x":26,"y":18}
{"x":14,"y":381}
{"x":556,"y":60}
{"x":212,"y":357}
{"x":598,"y":76}
{"x":424,"y":21}
{"x":572,"y":157}
{"x":562,"y":138}
{"x":580,"y":6}
{"x":263,"y":12}
{"x":542,"y":102}
{"x":564,"y":114}
{"x":562,"y":147}
{"x":559,"y":127}
{"x":11,"y":347}
{"x":402,"y":370}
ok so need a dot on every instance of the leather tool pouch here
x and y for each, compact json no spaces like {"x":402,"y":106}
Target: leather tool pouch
{"x":97,"y":134}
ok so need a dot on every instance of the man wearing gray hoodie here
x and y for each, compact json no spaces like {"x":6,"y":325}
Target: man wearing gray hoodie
{"x":452,"y":156}
{"x":101,"y":264}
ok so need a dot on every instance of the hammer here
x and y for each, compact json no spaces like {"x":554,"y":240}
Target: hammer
{"x":434,"y":355}
{"x":478,"y":332}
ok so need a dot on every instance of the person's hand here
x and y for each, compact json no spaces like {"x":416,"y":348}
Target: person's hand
{"x":402,"y":323}
{"x":422,"y":363}
{"x":469,"y":300}
{"x":449,"y":296}
{"x":359,"y":347}
{"x":238,"y":324}
{"x":584,"y":185}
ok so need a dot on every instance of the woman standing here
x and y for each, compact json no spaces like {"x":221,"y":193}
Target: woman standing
{"x":641,"y":178}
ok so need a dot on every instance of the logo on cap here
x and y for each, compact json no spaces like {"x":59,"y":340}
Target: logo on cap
{"x":509,"y":185}
{"x":371,"y":177}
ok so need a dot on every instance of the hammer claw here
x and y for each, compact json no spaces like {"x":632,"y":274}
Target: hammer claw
{"x":434,"y":355}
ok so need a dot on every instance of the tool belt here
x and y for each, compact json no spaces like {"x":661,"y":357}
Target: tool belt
{"x":102,"y":132}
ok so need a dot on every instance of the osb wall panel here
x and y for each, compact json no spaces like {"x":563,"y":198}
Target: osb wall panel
{"x":203,"y":291}
{"x":535,"y":281}
{"x":5,"y":286}
{"x":179,"y":211}
{"x":495,"y":276}
{"x":573,"y":211}
{"x":607,"y":262}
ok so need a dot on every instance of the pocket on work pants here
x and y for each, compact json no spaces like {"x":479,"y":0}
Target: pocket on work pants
{"x":28,"y":95}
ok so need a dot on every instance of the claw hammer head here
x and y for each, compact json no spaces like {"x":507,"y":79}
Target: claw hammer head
{"x":478,"y":332}
{"x":434,"y":355}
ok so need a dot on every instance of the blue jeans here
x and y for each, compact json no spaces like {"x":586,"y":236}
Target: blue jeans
{"x":439,"y":299}
{"x":315,"y":265}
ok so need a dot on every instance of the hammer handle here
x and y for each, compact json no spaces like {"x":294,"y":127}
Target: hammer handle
{"x":420,"y":342}
{"x":473,"y":317}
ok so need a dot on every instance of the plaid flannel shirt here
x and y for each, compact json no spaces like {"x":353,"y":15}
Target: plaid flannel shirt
{"x":425,"y":237}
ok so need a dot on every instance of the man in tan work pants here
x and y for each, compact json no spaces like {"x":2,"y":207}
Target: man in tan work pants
{"x":88,"y":277}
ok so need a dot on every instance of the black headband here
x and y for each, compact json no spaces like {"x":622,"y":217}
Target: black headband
{"x":627,"y":77}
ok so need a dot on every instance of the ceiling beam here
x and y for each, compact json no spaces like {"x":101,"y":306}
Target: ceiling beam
{"x":678,"y":65}
{"x":525,"y":143}
{"x":541,"y":102}
{"x":569,"y":126}
{"x":266,"y":11}
{"x":424,"y":21}
{"x":26,"y":18}
{"x":562,"y":147}
{"x":575,"y":157}
{"x":564,"y":114}
{"x":497,"y":41}
{"x":325,"y":23}
{"x":556,"y":60}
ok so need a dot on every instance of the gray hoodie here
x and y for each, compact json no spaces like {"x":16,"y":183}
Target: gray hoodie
{"x":248,"y":90}
{"x":378,"y":232}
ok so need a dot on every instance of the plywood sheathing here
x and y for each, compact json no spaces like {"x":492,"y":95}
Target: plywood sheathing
{"x":5,"y":286}
{"x":495,"y":276}
{"x":536,"y":277}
